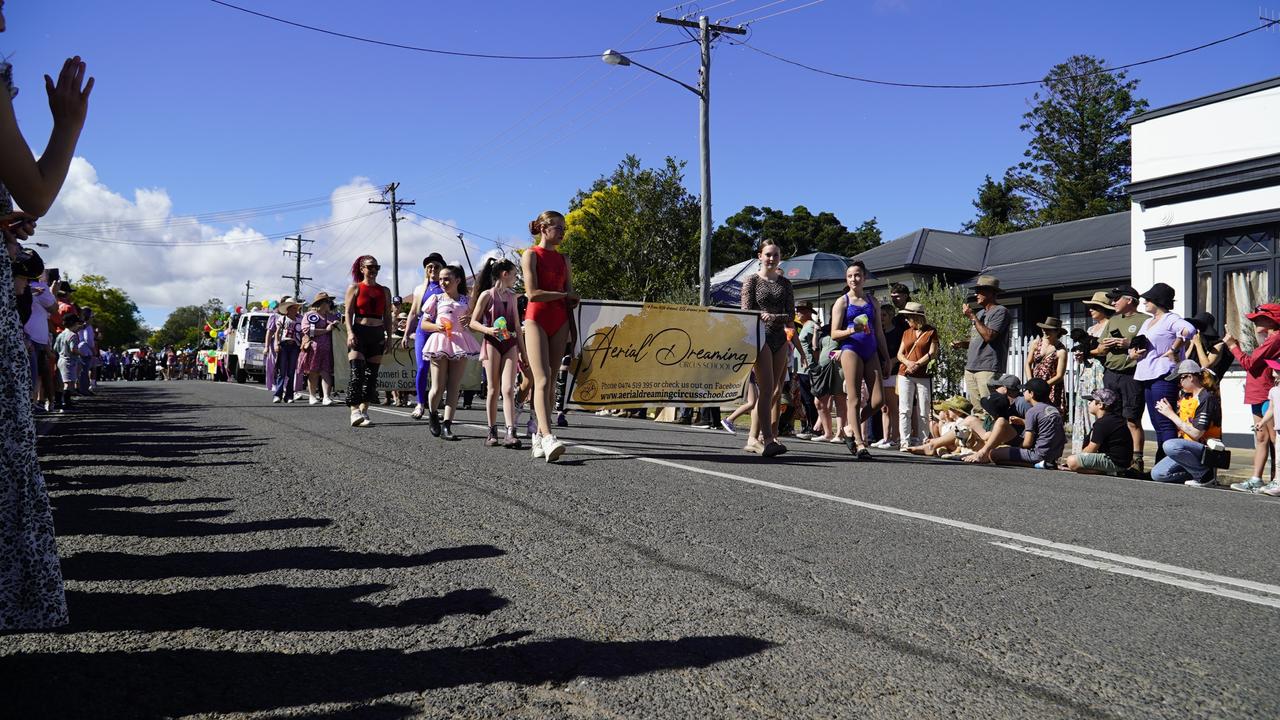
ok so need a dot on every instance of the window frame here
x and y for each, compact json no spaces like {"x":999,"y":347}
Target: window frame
{"x":1217,"y":266}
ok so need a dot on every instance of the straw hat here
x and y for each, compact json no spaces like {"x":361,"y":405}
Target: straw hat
{"x":286,"y":303}
{"x":912,"y":308}
{"x":1050,"y":323}
{"x":1101,"y":300}
{"x":320,"y":297}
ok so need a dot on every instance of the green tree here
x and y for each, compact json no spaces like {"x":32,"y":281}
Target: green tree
{"x":634,"y":235}
{"x":115,"y":316}
{"x":1000,"y":210}
{"x":184,"y":328}
{"x":798,"y":233}
{"x":1078,"y":158}
{"x":942,"y":306}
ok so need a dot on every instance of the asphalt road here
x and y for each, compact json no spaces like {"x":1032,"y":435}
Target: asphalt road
{"x":226,"y":557}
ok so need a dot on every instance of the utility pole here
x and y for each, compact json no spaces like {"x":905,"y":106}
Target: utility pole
{"x":395,"y":206}
{"x":247,"y":287}
{"x":297,"y":268}
{"x":706,"y":33}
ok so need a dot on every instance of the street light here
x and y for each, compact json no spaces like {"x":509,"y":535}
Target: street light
{"x":613,"y":57}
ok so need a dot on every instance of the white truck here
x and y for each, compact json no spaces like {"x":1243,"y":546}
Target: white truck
{"x":247,"y":350}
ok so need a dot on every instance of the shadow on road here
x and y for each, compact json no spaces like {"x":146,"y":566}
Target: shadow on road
{"x":268,"y":607}
{"x":126,"y":566}
{"x":71,"y":685}
{"x":191,"y":523}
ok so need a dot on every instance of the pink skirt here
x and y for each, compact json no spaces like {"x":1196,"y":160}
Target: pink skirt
{"x":454,"y":346}
{"x":318,"y":357}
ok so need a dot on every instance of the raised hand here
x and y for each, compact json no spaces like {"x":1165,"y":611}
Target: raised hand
{"x":69,"y":97}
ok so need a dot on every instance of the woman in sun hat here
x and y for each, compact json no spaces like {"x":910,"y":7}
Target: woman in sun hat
{"x":919,"y":347}
{"x":1268,"y":421}
{"x":1159,"y":346}
{"x":316,"y":359}
{"x":1258,"y":381}
{"x":1047,"y":360}
{"x":286,"y":341}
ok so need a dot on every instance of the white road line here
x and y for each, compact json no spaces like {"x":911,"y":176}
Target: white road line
{"x":1155,"y":577}
{"x":1078,"y":550}
{"x":960,"y":524}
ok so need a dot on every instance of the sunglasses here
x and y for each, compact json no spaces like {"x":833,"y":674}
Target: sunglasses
{"x":374,"y":268}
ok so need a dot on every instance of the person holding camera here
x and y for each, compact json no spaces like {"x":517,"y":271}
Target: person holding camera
{"x":1117,"y":375}
{"x":1198,"y":418}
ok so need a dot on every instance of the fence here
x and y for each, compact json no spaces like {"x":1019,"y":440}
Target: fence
{"x":1016,"y":365}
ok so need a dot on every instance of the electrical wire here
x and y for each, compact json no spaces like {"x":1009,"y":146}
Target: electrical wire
{"x":975,"y":86}
{"x":434,"y":51}
{"x":209,"y":217}
{"x":762,"y":7}
{"x":783,"y":12}
{"x":160,"y":242}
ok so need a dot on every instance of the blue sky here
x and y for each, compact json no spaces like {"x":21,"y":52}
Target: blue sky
{"x":208,"y":109}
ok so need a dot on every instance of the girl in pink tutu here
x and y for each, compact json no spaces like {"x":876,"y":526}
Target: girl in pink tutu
{"x":447,"y":317}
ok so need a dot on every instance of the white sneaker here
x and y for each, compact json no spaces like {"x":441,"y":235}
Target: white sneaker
{"x":1272,"y":488}
{"x":311,"y":400}
{"x":327,"y":401}
{"x":355,"y":417}
{"x":552,"y":448}
{"x":536,"y":444}
{"x":1208,"y":482}
{"x":804,"y":435}
{"x":364,"y":420}
{"x":275,"y":398}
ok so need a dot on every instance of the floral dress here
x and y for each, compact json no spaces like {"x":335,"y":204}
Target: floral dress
{"x":31,"y":593}
{"x":1044,"y":365}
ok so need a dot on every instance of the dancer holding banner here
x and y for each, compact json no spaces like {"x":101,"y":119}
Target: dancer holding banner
{"x":770,"y":294}
{"x":864,"y":354}
{"x":494,"y":314}
{"x":447,"y":317}
{"x":549,"y":287}
{"x":368,"y":316}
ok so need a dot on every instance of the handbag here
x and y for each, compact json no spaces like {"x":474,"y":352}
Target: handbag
{"x":1216,"y":458}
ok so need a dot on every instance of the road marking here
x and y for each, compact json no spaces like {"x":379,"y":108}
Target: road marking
{"x":1155,"y":577}
{"x":1107,"y":561}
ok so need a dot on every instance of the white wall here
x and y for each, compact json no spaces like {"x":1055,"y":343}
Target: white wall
{"x":1228,"y":131}
{"x":1237,"y":129}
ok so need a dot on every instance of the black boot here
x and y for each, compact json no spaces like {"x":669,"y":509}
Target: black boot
{"x":371,"y":384}
{"x":434,"y":421}
{"x":446,"y":431}
{"x":355,"y":386}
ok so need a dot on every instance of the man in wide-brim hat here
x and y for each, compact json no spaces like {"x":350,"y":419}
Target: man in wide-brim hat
{"x":988,"y":342}
{"x":1118,"y":367}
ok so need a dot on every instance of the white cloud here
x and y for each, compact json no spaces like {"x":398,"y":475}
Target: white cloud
{"x":193,"y":261}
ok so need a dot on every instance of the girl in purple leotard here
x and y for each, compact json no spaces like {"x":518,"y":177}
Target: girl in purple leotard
{"x":864,"y":354}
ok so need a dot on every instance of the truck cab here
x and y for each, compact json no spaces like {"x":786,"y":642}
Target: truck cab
{"x":247,"y":350}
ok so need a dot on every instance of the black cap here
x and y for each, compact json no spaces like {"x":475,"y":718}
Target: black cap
{"x":435,"y":258}
{"x":1038,"y":388}
{"x":1122,"y":290}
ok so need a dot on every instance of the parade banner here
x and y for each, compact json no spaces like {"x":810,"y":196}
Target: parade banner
{"x":398,"y":370}
{"x":645,"y":355}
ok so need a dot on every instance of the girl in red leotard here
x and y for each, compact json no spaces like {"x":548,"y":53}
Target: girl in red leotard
{"x":548,"y":285}
{"x":368,"y":317}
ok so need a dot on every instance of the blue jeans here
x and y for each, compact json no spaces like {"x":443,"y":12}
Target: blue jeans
{"x":1153,"y":391}
{"x":1181,"y":462}
{"x":286,"y":368}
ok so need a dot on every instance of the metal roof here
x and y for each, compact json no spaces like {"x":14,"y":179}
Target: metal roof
{"x":927,"y":248}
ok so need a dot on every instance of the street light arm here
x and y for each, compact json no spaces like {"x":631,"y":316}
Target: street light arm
{"x":684,"y":85}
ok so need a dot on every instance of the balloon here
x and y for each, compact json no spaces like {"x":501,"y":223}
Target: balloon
{"x":206,"y":327}
{"x":230,"y":308}
{"x":272,"y":304}
{"x":213,"y":333}
{"x":221,"y":335}
{"x":239,"y":309}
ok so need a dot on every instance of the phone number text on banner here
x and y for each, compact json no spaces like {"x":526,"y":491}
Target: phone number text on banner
{"x":635,"y":354}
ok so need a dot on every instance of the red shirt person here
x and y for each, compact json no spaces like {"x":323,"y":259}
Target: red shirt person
{"x":1259,"y":378}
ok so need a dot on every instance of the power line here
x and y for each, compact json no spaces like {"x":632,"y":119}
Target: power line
{"x":783,"y":12}
{"x":975,"y":86}
{"x":210,"y":217}
{"x":160,"y":242}
{"x":762,"y":7}
{"x":434,"y":51}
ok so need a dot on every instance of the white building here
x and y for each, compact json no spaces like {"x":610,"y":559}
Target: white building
{"x":1206,"y":211}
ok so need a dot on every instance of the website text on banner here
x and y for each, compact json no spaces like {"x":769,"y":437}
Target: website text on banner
{"x":647,"y":355}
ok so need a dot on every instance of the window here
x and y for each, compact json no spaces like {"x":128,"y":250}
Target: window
{"x":1235,"y":271}
{"x":1073,"y":314}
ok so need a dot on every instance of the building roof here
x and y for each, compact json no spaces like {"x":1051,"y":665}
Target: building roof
{"x":1206,"y":100}
{"x":1092,"y":252}
{"x":927,"y":248}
